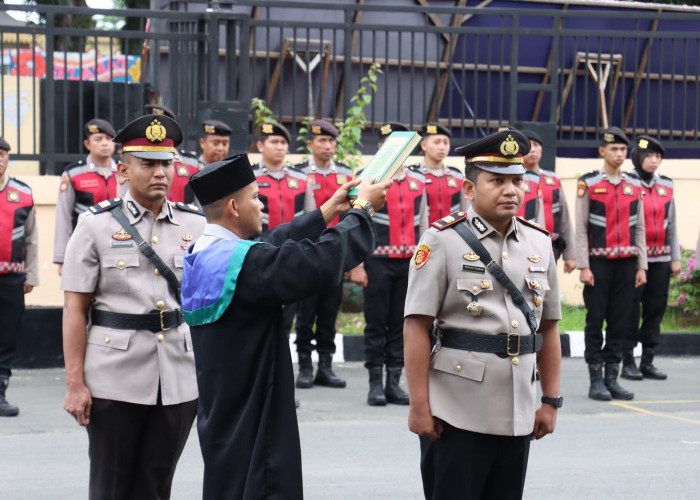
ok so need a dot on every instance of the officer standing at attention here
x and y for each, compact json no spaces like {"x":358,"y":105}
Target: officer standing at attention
{"x":384,"y":278}
{"x":611,"y":254}
{"x":443,"y":184}
{"x":19,"y":269}
{"x":130,"y":376}
{"x":185,"y":164}
{"x":473,"y":398}
{"x":214,"y":140}
{"x":555,"y":209}
{"x":663,"y":256}
{"x":323,"y":177}
{"x":86,"y":183}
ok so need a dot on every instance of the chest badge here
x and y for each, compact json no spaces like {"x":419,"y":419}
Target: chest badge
{"x":627,"y":189}
{"x":13,"y":196}
{"x":121,"y":235}
{"x":471,"y":256}
{"x":526,"y":187}
{"x":535,"y":284}
{"x":342,"y":179}
{"x":186,"y":237}
{"x":538,"y":301}
{"x":120,"y":179}
{"x":534,"y":258}
{"x":475,"y":309}
{"x":421,"y":256}
{"x":582,"y":187}
{"x":412,"y":185}
{"x":451,"y":182}
{"x":182,"y":171}
{"x":292,"y":183}
{"x":661,"y":190}
{"x":548,"y":180}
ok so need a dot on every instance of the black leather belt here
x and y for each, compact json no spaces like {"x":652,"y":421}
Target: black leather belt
{"x":501,"y":344}
{"x":155,"y":321}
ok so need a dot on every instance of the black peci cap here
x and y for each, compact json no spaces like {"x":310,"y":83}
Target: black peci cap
{"x":434,"y":129}
{"x":613,"y":135}
{"x":4,"y":144}
{"x":221,"y":178}
{"x":273,"y":128}
{"x":499,"y":153}
{"x":649,"y":144}
{"x":159,"y":109}
{"x":153,"y":137}
{"x":532,"y":135}
{"x":385,"y":129}
{"x":322,"y":127}
{"x":215,"y":127}
{"x":99,"y":126}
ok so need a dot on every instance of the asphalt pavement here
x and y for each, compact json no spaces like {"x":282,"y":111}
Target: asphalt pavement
{"x":647,"y":448}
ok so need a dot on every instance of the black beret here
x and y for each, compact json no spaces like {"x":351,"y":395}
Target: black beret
{"x":499,"y":153}
{"x":153,"y":137}
{"x":322,"y":127}
{"x":273,"y":128}
{"x":613,"y":135}
{"x":434,"y":129}
{"x":98,"y":126}
{"x":532,"y":135}
{"x":4,"y":144}
{"x":387,"y":128}
{"x":159,"y":109}
{"x":221,"y":178}
{"x":649,"y":144}
{"x":215,"y":127}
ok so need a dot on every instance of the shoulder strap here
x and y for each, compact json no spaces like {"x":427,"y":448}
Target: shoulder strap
{"x":498,"y":273}
{"x":148,"y":251}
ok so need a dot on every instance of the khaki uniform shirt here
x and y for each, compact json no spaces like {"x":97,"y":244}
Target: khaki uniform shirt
{"x":475,"y":391}
{"x":129,"y":365}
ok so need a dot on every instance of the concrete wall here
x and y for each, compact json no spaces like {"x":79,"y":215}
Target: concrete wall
{"x":685,"y":173}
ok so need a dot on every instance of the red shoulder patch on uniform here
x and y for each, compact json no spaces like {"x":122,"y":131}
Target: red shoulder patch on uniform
{"x":533,"y":225}
{"x":449,"y":220}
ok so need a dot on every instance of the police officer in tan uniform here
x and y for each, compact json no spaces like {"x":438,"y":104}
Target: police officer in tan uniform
{"x":130,"y":375}
{"x":473,"y":399}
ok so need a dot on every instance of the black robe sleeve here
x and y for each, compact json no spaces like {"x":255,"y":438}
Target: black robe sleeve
{"x":309,"y":226}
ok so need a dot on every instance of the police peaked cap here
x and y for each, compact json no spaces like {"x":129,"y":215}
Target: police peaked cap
{"x":532,"y":135}
{"x":322,"y":127}
{"x":613,"y":135}
{"x":98,"y":126}
{"x":153,"y":137}
{"x":434,"y":129}
{"x":649,"y":145}
{"x":499,"y":153}
{"x":159,"y":109}
{"x":222,"y":178}
{"x":215,"y":127}
{"x":4,"y":144}
{"x":385,"y":129}
{"x":273,"y":128}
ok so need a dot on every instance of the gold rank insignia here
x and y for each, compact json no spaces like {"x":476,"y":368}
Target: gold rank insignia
{"x":643,"y":144}
{"x":471,"y":256}
{"x":267,"y":128}
{"x":535,"y":284}
{"x":534,"y":258}
{"x":627,"y":189}
{"x":315,"y":129}
{"x":661,"y":190}
{"x":13,"y":196}
{"x":448,"y":219}
{"x":509,"y":147}
{"x":182,"y":171}
{"x":186,"y":237}
{"x":421,"y":256}
{"x":476,"y":222}
{"x":156,"y":132}
{"x":292,"y":183}
{"x":93,"y":129}
{"x":385,"y":129}
{"x":538,"y":301}
{"x":431,"y":129}
{"x":194,"y":207}
{"x":484,"y":285}
{"x":209,"y":129}
{"x":121,"y":235}
{"x":548,"y":180}
{"x":582,"y":187}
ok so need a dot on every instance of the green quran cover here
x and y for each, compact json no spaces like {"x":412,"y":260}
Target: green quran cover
{"x":384,"y":164}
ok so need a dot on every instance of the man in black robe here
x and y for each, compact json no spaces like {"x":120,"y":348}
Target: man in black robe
{"x":233,"y":290}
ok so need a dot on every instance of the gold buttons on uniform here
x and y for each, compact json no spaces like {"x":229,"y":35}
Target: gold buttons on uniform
{"x":475,"y":288}
{"x":538,"y":301}
{"x":160,"y":304}
{"x":458,"y":368}
{"x":515,"y":360}
{"x":161,"y":337}
{"x":121,"y":264}
{"x":484,"y":284}
{"x":504,"y":255}
{"x":156,"y":272}
{"x":154,"y":239}
{"x":514,"y":324}
{"x":106,"y":340}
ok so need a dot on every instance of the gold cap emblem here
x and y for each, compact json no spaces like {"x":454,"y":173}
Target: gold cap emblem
{"x":431,"y":129}
{"x":509,"y":147}
{"x":156,"y":131}
{"x":608,"y":137}
{"x":93,"y":129}
{"x":643,"y":143}
{"x":315,"y":129}
{"x":267,"y":128}
{"x":385,"y":129}
{"x":209,"y":129}
{"x":157,"y":111}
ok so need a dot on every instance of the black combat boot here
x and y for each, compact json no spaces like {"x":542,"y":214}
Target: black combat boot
{"x":324,"y":372}
{"x":598,"y":391}
{"x":616,"y":390}
{"x":376,"y":396}
{"x":393,"y":392}
{"x":305,"y":379}
{"x":647,"y":368}
{"x":6,"y":409}
{"x":629,"y":368}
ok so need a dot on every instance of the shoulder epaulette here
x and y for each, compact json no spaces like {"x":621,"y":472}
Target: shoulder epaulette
{"x":17,"y":184}
{"x":413,"y":168}
{"x":416,"y":174}
{"x":533,"y":225}
{"x":343,"y":166}
{"x":590,"y":174}
{"x":667,"y":179}
{"x":188,"y":207}
{"x":71,"y":166}
{"x":301,"y":166}
{"x":105,"y":206}
{"x":455,"y":171}
{"x":190,"y":160}
{"x":449,"y":220}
